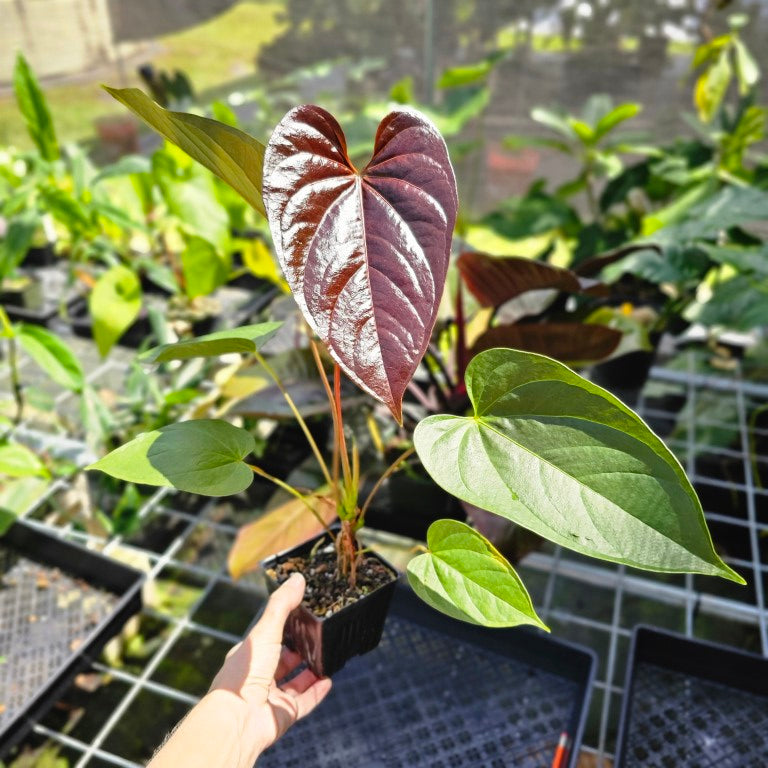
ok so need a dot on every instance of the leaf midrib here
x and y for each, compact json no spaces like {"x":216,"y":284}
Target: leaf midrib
{"x":577,"y":481}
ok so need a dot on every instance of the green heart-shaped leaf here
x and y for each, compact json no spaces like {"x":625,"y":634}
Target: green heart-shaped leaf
{"x":247,"y":339}
{"x":567,"y":460}
{"x":204,"y":456}
{"x":114,"y":303}
{"x":464,"y":576}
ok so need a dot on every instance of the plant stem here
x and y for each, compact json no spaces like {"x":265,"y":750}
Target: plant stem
{"x":434,"y":353}
{"x":16,"y":388}
{"x":334,"y":418}
{"x":290,"y":489}
{"x":387,"y":474}
{"x":6,"y":329}
{"x":298,"y":416}
{"x":342,"y":440}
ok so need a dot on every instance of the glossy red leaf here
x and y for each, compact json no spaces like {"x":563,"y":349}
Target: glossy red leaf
{"x":365,"y":252}
{"x":567,"y":342}
{"x":494,"y":280}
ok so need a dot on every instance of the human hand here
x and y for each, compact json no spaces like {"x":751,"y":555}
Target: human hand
{"x":248,"y":707}
{"x":251,"y":676}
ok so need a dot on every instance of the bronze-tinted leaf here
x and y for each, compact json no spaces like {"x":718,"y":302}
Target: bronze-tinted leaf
{"x":494,"y":280}
{"x":567,"y":342}
{"x":365,"y":253}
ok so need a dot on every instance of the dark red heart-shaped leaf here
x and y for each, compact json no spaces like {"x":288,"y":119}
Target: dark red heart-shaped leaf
{"x":568,"y":342}
{"x":494,"y":280}
{"x":365,"y":253}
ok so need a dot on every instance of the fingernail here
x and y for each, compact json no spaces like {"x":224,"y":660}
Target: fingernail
{"x":296,"y":575}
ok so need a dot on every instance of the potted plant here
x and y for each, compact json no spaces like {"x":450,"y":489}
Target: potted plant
{"x":366,"y":254}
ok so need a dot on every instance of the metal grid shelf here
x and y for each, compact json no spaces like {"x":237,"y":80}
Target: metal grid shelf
{"x":195,"y":611}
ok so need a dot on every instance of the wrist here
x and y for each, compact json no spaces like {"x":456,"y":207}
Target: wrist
{"x":232,"y":721}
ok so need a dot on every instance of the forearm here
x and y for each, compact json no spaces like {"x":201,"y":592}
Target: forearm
{"x":210,"y":736}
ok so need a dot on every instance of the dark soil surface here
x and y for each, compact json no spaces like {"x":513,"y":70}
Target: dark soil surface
{"x":327,"y":592}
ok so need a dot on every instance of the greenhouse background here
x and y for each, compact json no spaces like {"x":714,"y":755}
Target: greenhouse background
{"x":131,"y":245}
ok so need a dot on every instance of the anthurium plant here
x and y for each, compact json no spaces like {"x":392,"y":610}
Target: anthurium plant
{"x":365,"y":253}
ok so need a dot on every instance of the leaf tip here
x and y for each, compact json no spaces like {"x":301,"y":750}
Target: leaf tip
{"x":727,"y":572}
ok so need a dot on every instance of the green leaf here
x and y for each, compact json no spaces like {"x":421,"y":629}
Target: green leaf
{"x":53,"y":355}
{"x":204,"y":267}
{"x":34,"y":108}
{"x":189,"y":191}
{"x":222,"y":112}
{"x":402,"y":91}
{"x":18,"y":238}
{"x":743,"y":259}
{"x":618,"y":115}
{"x":260,"y":262}
{"x":470,"y":74}
{"x":464,"y":576}
{"x":585,"y":134}
{"x":740,"y":304}
{"x":17,"y":460}
{"x":562,"y":457}
{"x":554,"y":120}
{"x":114,"y":303}
{"x":231,"y":154}
{"x":245,"y":340}
{"x":711,"y":87}
{"x":65,"y":208}
{"x":747,"y":69}
{"x":125,"y":166}
{"x":17,"y":496}
{"x":203,"y":456}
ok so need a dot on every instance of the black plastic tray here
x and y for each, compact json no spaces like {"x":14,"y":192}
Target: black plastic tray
{"x":59,"y":604}
{"x":692,"y":703}
{"x":445,"y":694}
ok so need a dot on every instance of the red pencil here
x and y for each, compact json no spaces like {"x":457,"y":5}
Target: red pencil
{"x":561,"y":753}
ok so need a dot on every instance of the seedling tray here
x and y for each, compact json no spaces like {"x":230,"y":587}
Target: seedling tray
{"x":59,"y":604}
{"x":689,"y":702}
{"x":439,"y":693}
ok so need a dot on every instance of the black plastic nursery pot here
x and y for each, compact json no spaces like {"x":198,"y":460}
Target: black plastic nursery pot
{"x":625,"y":376}
{"x":327,"y":643}
{"x":29,"y":303}
{"x":407,"y":505}
{"x":136,"y":334}
{"x":24,"y":292}
{"x":40,"y":256}
{"x":59,"y":604}
{"x":440,"y":693}
{"x":692,"y":703}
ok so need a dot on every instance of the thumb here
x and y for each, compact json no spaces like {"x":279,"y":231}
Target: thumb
{"x":283,"y":600}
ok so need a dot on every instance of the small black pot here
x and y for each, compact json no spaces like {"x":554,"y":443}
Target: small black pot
{"x":136,"y":334}
{"x":326,"y":644}
{"x":28,"y":295}
{"x":40,"y":256}
{"x":625,"y":376}
{"x":407,"y":505}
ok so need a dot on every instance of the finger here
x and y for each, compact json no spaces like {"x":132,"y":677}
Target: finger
{"x":301,"y":682}
{"x":284,"y":599}
{"x":307,"y":701}
{"x":233,"y":650}
{"x":289,"y":660}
